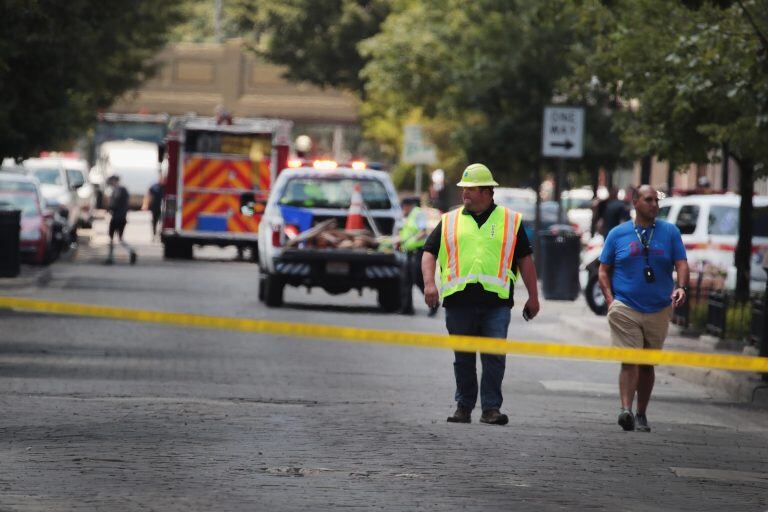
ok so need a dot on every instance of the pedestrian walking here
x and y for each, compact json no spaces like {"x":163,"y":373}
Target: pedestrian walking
{"x":153,"y":200}
{"x":411,"y":240}
{"x":636,"y":277}
{"x":118,"y":209}
{"x":481,"y":249}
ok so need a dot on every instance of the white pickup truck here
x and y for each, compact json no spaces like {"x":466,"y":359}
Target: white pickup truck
{"x":303,"y":198}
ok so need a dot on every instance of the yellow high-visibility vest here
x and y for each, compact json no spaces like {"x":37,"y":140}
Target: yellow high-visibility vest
{"x":409,"y":233}
{"x":471,"y":254}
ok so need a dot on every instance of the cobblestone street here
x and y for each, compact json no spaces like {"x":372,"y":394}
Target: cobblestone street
{"x":110,"y":415}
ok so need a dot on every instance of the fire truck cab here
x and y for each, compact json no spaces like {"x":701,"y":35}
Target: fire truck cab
{"x":218,"y":180}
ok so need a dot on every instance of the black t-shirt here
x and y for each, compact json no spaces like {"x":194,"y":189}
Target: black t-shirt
{"x":118,"y":204}
{"x":474,"y":294}
{"x":616,"y":212}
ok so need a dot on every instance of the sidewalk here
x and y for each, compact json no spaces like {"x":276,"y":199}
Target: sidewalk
{"x":593,"y":329}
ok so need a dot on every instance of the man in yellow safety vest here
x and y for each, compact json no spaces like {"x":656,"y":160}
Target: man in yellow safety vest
{"x":411,"y":240}
{"x":481,"y":248}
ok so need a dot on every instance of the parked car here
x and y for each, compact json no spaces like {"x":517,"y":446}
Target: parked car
{"x":523,"y":200}
{"x":21,"y":192}
{"x":709,"y":225}
{"x":59,"y":189}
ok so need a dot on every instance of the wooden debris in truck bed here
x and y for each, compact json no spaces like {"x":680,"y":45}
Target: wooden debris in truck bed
{"x":326,"y":235}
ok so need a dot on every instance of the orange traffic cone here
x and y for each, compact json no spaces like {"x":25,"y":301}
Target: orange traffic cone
{"x":355,"y":215}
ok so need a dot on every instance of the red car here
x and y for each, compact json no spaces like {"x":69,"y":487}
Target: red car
{"x":18,"y":192}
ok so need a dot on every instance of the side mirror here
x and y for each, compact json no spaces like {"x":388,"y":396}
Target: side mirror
{"x":161,"y":152}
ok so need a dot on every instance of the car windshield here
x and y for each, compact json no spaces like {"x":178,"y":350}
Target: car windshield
{"x":48,"y":176}
{"x":13,"y":185}
{"x":334,"y":193}
{"x":27,"y":203}
{"x":724,"y":220}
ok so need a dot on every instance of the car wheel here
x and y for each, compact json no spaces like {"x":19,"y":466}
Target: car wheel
{"x":389,"y":297}
{"x":595,"y":297}
{"x":177,"y":250}
{"x":273,"y":291}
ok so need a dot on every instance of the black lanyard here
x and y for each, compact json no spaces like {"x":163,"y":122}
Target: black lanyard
{"x":645,"y":243}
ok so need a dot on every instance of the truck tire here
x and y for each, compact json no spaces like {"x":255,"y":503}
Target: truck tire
{"x":594,"y":296}
{"x":273,"y":291}
{"x":262,"y":286}
{"x":177,"y":250}
{"x":389,"y":297}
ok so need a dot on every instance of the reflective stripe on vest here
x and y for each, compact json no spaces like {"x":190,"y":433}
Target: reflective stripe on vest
{"x":496,"y":275}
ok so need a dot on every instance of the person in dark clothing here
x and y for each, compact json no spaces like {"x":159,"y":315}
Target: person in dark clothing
{"x":118,"y":209}
{"x":616,"y":212}
{"x":480,"y":248}
{"x":152,"y":202}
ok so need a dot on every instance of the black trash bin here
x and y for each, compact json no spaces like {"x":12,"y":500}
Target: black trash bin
{"x":559,"y":265}
{"x":10,"y":257}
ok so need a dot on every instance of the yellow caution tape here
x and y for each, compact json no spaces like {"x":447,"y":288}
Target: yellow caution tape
{"x":354,"y":334}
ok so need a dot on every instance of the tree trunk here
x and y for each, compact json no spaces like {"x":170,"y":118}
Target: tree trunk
{"x":743,"y":255}
{"x":645,"y":170}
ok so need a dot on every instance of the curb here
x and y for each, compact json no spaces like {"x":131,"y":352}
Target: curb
{"x":29,"y":276}
{"x":738,"y":386}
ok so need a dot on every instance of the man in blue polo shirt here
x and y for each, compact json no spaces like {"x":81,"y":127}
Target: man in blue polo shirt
{"x":636,"y":278}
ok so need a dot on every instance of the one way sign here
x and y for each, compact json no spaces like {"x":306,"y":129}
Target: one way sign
{"x":563,"y":134}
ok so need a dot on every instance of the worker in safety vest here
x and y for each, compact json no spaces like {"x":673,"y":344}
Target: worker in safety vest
{"x":411,"y":240}
{"x":481,"y":249}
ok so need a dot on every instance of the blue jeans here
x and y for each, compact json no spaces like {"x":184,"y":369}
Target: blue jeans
{"x":476,"y":321}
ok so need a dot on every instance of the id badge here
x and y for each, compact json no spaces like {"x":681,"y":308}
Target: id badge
{"x":650,"y":277}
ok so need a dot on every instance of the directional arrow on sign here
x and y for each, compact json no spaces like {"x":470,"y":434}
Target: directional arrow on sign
{"x":567,"y":144}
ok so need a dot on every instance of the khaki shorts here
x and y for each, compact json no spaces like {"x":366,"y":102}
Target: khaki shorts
{"x":633,"y":329}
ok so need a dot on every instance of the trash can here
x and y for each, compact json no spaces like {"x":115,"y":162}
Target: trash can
{"x":10,"y":257}
{"x":559,"y":265}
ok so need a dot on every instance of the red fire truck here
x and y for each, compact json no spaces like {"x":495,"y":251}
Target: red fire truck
{"x":218,"y":179}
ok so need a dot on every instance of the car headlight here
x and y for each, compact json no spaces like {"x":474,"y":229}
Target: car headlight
{"x":30,"y":235}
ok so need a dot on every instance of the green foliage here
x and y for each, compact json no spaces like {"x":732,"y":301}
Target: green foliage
{"x":199,"y":24}
{"x":694,"y":75}
{"x":477,"y":75}
{"x":62,"y":61}
{"x":315,"y":39}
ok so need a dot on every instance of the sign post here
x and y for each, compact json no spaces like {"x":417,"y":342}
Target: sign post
{"x":562,"y":137}
{"x":418,"y":152}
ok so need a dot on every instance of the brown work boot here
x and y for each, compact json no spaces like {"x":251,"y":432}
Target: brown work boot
{"x":462,"y":415}
{"x":494,"y":417}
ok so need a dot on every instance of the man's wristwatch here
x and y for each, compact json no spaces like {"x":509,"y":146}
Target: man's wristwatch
{"x":684,"y":288}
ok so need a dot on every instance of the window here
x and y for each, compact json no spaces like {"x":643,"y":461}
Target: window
{"x":75,"y":177}
{"x":724,"y":220}
{"x":27,"y":203}
{"x":664,"y":212}
{"x":686,"y":219}
{"x":333,"y":193}
{"x":48,"y":176}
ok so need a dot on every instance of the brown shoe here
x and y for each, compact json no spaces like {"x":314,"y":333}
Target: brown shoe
{"x":462,"y":415}
{"x":494,"y":417}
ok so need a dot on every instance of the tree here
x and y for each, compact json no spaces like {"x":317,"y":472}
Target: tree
{"x":315,"y":39}
{"x":62,"y":61}
{"x":699,"y":79}
{"x":478,"y":75}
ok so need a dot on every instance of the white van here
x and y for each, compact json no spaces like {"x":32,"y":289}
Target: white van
{"x":135,"y":162}
{"x":709,"y":225}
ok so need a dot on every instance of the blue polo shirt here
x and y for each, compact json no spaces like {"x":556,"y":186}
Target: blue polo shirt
{"x":624,"y":251}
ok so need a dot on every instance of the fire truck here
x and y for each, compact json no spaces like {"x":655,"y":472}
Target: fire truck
{"x":218,"y":180}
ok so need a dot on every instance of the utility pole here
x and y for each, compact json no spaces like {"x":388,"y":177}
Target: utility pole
{"x":726,"y":151}
{"x":217,"y":21}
